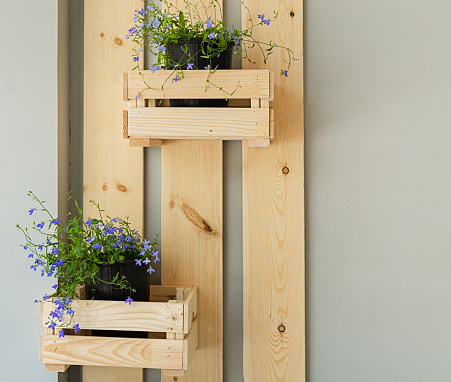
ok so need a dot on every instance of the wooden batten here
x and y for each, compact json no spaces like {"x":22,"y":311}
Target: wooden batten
{"x":245,"y":83}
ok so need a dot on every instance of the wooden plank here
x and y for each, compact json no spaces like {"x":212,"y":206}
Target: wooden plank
{"x":111,"y":351}
{"x":251,"y":84}
{"x":58,"y":368}
{"x":198,"y":123}
{"x":190,"y":345}
{"x":191,"y":240}
{"x":190,"y":310}
{"x":108,"y":315}
{"x":113,"y":172}
{"x":273,"y":208}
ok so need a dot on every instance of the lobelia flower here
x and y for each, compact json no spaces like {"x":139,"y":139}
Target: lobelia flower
{"x":211,"y":36}
{"x":176,"y":79}
{"x":190,"y":66}
{"x":207,"y":67}
{"x":97,"y":246}
{"x":138,"y":262}
{"x":266,"y":22}
{"x":129,"y":300}
{"x":208,"y":22}
{"x":31,"y":211}
{"x":146,"y":261}
{"x":89,"y":223}
{"x":151,"y":270}
{"x":77,"y":328}
{"x":136,"y":59}
{"x":61,"y":333}
{"x":40,"y":225}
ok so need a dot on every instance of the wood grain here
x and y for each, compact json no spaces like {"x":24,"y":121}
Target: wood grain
{"x":273,"y":208}
{"x":111,"y":351}
{"x":113,"y":172}
{"x":198,"y":123}
{"x":108,"y":315}
{"x":248,"y":84}
{"x":191,"y":196}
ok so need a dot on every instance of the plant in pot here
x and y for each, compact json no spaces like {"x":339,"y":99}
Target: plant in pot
{"x":105,"y":254}
{"x":190,"y":39}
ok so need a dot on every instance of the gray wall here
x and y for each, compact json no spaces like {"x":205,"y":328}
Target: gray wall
{"x":28,"y":158}
{"x":378,"y":183}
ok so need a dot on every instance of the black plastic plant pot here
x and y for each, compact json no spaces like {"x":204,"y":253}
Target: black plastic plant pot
{"x":191,"y":52}
{"x":138,"y":278}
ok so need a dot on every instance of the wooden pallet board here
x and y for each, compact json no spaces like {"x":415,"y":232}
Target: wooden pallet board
{"x":113,"y":172}
{"x":273,"y":221}
{"x":198,"y":123}
{"x":191,"y":241}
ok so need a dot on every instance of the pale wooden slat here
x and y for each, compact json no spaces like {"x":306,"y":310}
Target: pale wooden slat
{"x":190,"y":345}
{"x":145,"y":142}
{"x":190,"y":310}
{"x":109,"y":315}
{"x":113,"y":172}
{"x":110,"y":351}
{"x":192,"y":241}
{"x":273,"y":215}
{"x":58,"y":368}
{"x":198,"y":123}
{"x":252,"y":84}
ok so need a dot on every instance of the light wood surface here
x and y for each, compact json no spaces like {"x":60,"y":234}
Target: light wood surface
{"x":139,"y":316}
{"x":273,"y":208}
{"x":198,"y":123}
{"x":113,"y":172}
{"x":111,"y":351}
{"x":191,"y":241}
{"x":250,"y":83}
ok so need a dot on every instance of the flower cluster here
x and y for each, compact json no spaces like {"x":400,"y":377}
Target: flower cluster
{"x":155,"y":30}
{"x":71,"y":253}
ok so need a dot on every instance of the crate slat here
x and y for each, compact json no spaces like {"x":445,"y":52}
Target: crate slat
{"x":198,"y":123}
{"x":116,"y":352}
{"x":139,"y":316}
{"x":190,"y":310}
{"x":252,"y":84}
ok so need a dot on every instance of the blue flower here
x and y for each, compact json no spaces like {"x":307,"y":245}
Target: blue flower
{"x":154,"y":68}
{"x":54,"y":251}
{"x":129,"y":300}
{"x":142,"y":12}
{"x":208,"y":22}
{"x":25,"y":247}
{"x":89,"y":223}
{"x":266,"y":22}
{"x":56,"y":221}
{"x":261,"y":17}
{"x":136,"y":59}
{"x":211,"y":36}
{"x":296,"y":59}
{"x":207,"y":67}
{"x":70,"y":311}
{"x":97,"y":246}
{"x":176,"y":79}
{"x":146,"y":261}
{"x":138,"y":262}
{"x":190,"y":66}
{"x":33,"y":267}
{"x":127,"y":36}
{"x":40,"y":225}
{"x":157,"y":259}
{"x":136,"y":97}
{"x":30,"y":256}
{"x":115,"y":220}
{"x":61,"y":333}
{"x":156,"y":22}
{"x":52,"y":325}
{"x":55,"y":286}
{"x":285,"y":73}
{"x":40,"y":247}
{"x":275,"y":44}
{"x":31,"y":211}
{"x":90,"y":239}
{"x":162,"y":48}
{"x":45,"y":297}
{"x":151,"y":270}
{"x":150,"y":8}
{"x":77,"y":328}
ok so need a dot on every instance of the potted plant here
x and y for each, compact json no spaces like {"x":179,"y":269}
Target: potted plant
{"x":103,"y":253}
{"x":191,"y":40}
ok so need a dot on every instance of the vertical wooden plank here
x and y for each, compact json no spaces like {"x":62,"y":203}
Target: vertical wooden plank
{"x":113,"y":172}
{"x":273,"y":208}
{"x":191,"y":241}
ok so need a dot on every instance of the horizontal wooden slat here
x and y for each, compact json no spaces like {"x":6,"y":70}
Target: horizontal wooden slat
{"x":251,"y":84}
{"x":198,"y":123}
{"x":118,"y":352}
{"x":139,"y":316}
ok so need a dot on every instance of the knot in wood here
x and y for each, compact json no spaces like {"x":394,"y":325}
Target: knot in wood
{"x":121,"y":187}
{"x":104,"y":187}
{"x":285,"y":170}
{"x":281,"y":328}
{"x":175,"y":379}
{"x":292,"y":14}
{"x":118,"y":41}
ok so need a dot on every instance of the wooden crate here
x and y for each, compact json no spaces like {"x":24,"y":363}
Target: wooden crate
{"x":147,"y":124}
{"x":172,"y":311}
